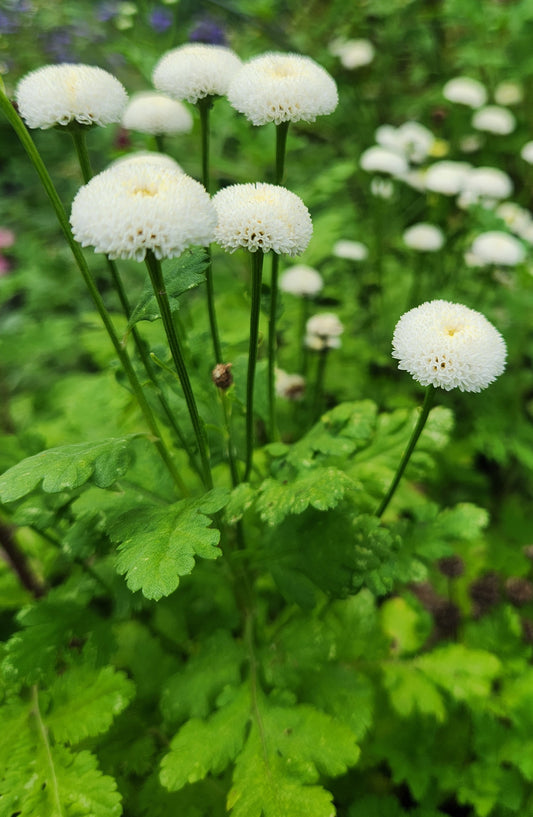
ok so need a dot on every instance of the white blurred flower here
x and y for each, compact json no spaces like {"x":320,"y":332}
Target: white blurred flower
{"x":60,"y":94}
{"x":527,"y":153}
{"x":156,"y":113}
{"x":411,"y":139}
{"x":449,"y":346}
{"x":352,"y":53}
{"x":488,"y":183}
{"x":517,"y":218}
{"x":323,"y":332}
{"x":289,"y":386}
{"x":498,"y":247}
{"x":508,"y":93}
{"x":465,"y":91}
{"x":424,"y":237}
{"x":146,"y":157}
{"x":301,"y":280}
{"x":446,"y":177}
{"x":377,"y":159}
{"x":134,"y":207}
{"x":494,"y":119}
{"x":277,"y":87}
{"x":352,"y":250}
{"x":262,"y":217}
{"x":195,"y":71}
{"x":382,"y":188}
{"x":470,"y":143}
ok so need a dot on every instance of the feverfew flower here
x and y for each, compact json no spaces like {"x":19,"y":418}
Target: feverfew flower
{"x":516,"y":218}
{"x":302,"y":281}
{"x":527,"y":153}
{"x":508,"y":93}
{"x":446,"y":177}
{"x":411,"y":139}
{"x":276,"y":87}
{"x":145,"y":157}
{"x":352,"y":53}
{"x":378,"y":159}
{"x":196,"y":70}
{"x":323,"y":332}
{"x":498,"y":247}
{"x":424,"y":237}
{"x":155,"y":113}
{"x":60,"y":94}
{"x":289,"y":386}
{"x":449,"y":346}
{"x":465,"y":91}
{"x":133,"y":207}
{"x":352,"y":250}
{"x":488,"y":183}
{"x":262,"y":217}
{"x":494,"y":119}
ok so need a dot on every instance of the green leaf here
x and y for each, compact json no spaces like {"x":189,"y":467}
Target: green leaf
{"x":322,"y":488}
{"x":410,"y":691}
{"x":67,"y":467}
{"x":286,"y":752}
{"x":191,"y":692}
{"x":158,"y":545}
{"x":186,"y":273}
{"x":464,"y":673}
{"x":203,"y":747}
{"x":406,"y":627}
{"x":85,"y":700}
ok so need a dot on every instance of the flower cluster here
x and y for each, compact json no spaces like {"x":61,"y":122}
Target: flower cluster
{"x":60,"y":94}
{"x":134,"y":207}
{"x":262,"y":217}
{"x":448,"y":345}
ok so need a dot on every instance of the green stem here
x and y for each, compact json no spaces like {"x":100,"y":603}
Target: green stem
{"x":319,"y":383}
{"x":80,"y":143}
{"x":158,"y":284}
{"x":35,"y":158}
{"x":204,"y":106}
{"x":304,"y":351}
{"x":426,"y":406}
{"x":281,"y":144}
{"x":159,"y":142}
{"x":229,"y":438}
{"x":43,"y":732}
{"x":257,"y":271}
{"x":272,"y":349}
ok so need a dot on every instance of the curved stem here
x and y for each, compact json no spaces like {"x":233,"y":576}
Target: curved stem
{"x":257,"y":271}
{"x":37,"y":162}
{"x":158,"y":284}
{"x":426,"y":406}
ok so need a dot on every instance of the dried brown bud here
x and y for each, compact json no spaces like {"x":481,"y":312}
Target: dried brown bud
{"x":485,"y":592}
{"x":519,"y":591}
{"x":527,"y":630}
{"x":447,"y":618}
{"x":451,"y":566}
{"x":221,"y":375}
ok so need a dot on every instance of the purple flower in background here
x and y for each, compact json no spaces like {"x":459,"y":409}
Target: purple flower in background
{"x":58,"y":44}
{"x":160,"y":19}
{"x":106,"y":11}
{"x":7,"y":24}
{"x":209,"y":32}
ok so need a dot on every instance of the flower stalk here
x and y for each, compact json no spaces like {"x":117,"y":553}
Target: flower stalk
{"x":257,"y":272}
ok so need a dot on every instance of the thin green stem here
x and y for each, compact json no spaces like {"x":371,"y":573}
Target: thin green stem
{"x":272,"y":349}
{"x":43,"y":732}
{"x":37,"y":162}
{"x":158,"y":284}
{"x":160,"y":142}
{"x":304,"y":351}
{"x":80,"y":143}
{"x":319,"y":383}
{"x":257,"y":272}
{"x":204,"y":107}
{"x":426,"y":406}
{"x":281,"y":144}
{"x":226,"y":408}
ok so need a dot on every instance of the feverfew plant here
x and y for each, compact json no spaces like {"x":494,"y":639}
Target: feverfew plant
{"x":246,"y":574}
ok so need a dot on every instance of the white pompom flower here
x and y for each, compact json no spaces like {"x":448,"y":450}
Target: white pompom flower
{"x":424,"y":237}
{"x":260,"y":216}
{"x":488,"y":183}
{"x":351,"y":250}
{"x":195,"y":71}
{"x":155,"y":113}
{"x":70,"y":92}
{"x":465,"y":91}
{"x":494,"y":119}
{"x":527,"y":153}
{"x":449,"y":346}
{"x":352,"y":53}
{"x":302,"y":281}
{"x":446,"y":177}
{"x":133,"y":208}
{"x":278,"y":87}
{"x":145,"y":157}
{"x":289,"y":386}
{"x":377,"y":159}
{"x":498,"y":247}
{"x":323,"y":332}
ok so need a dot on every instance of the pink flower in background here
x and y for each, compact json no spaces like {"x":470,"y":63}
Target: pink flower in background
{"x":7,"y":238}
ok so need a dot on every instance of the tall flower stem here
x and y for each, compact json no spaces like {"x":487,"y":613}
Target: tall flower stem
{"x":257,"y":272}
{"x":204,"y":107}
{"x":281,"y":142}
{"x":158,"y":284}
{"x":426,"y":406}
{"x":37,"y":162}
{"x":319,"y":383}
{"x":78,"y":133}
